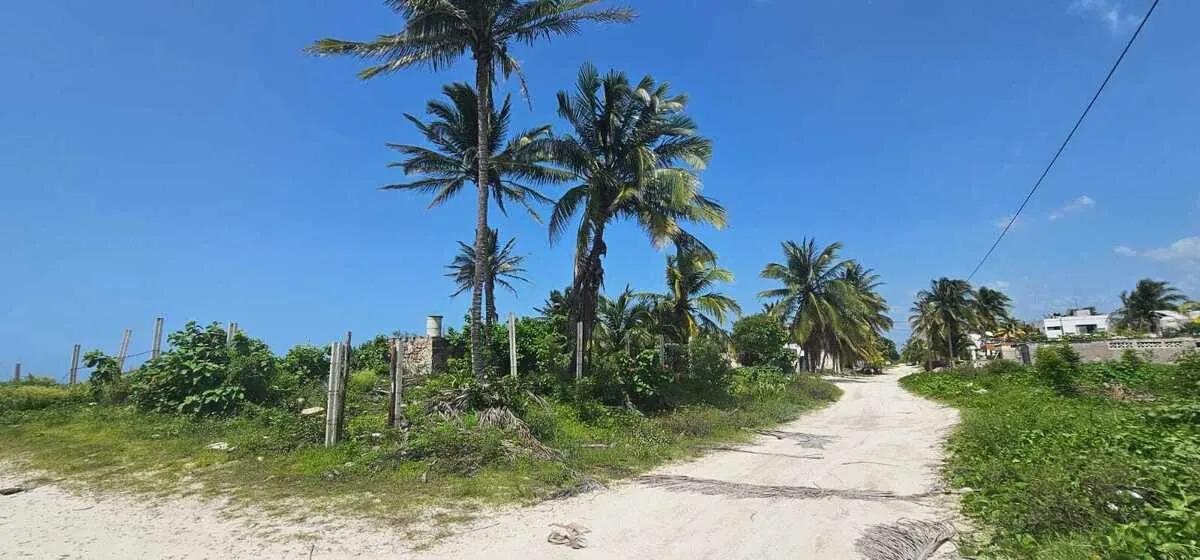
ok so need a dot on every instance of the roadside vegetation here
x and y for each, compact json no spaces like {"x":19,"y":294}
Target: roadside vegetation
{"x":1066,"y":460}
{"x":231,"y":420}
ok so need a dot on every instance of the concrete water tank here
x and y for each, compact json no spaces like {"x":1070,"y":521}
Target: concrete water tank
{"x":433,"y":326}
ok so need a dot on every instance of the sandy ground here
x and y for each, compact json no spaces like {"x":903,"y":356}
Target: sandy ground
{"x":806,"y":491}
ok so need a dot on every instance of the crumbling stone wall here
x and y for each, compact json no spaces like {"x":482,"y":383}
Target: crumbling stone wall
{"x":423,"y":355}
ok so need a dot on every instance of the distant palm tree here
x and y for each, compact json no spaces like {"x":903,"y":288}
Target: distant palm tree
{"x":991,"y":308}
{"x":444,"y":169}
{"x":1011,"y":329}
{"x":945,"y":314}
{"x":438,"y":32}
{"x":869,"y":312}
{"x":811,"y":300}
{"x":1138,"y":307}
{"x":623,"y":323}
{"x":501,"y":266}
{"x":690,"y":306}
{"x":636,"y":156}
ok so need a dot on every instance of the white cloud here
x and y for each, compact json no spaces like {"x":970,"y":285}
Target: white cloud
{"x":1079,"y":204}
{"x":1000,"y":284}
{"x":1184,"y":251}
{"x":1109,"y":12}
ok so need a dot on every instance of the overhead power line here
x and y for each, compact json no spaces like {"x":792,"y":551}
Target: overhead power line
{"x":1065,"y":141}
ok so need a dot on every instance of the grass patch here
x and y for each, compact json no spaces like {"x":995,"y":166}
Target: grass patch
{"x":274,"y":456}
{"x":1076,"y":472}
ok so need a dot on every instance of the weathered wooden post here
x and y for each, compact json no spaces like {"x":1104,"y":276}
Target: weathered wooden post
{"x":396,"y":392}
{"x":230,"y":333}
{"x":72,"y":377}
{"x":124,"y":350}
{"x":578,"y":352}
{"x":156,"y":349}
{"x":512,"y":344}
{"x":332,"y":400}
{"x":347,"y":355}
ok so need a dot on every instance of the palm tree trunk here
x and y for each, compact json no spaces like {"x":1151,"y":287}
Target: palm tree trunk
{"x":490,"y":294}
{"x":950,"y":342}
{"x":589,"y":276}
{"x":483,"y":106}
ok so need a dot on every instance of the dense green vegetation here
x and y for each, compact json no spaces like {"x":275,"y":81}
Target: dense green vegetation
{"x":462,"y":441}
{"x":1068,"y":460}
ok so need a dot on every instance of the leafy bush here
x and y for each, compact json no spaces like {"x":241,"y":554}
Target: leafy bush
{"x":1059,"y":366}
{"x":200,"y":375}
{"x":708,"y":371}
{"x":759,"y":340}
{"x":105,"y":383}
{"x":761,"y":382}
{"x":372,"y":355}
{"x":619,"y":379}
{"x":309,"y":363}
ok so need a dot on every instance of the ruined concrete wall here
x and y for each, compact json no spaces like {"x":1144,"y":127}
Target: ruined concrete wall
{"x":1157,"y":350}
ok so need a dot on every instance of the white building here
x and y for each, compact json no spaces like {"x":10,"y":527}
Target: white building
{"x":1165,"y":322}
{"x":1076,"y":321}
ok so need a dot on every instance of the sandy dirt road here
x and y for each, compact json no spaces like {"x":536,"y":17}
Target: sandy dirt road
{"x":807,"y":490}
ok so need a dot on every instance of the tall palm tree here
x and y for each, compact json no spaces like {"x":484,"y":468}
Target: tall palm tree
{"x":945,"y":313}
{"x":438,"y":32}
{"x":501,"y":266}
{"x":450,"y":164}
{"x":867,"y":312}
{"x":635,"y":155}
{"x":623,"y":322}
{"x":809,"y":301}
{"x":991,"y":308}
{"x":690,"y":305}
{"x":1138,"y":307}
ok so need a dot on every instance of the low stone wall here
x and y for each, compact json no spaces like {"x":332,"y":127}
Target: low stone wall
{"x":1157,"y":350}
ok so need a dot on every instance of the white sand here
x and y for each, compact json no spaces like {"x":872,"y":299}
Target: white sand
{"x":877,"y":437}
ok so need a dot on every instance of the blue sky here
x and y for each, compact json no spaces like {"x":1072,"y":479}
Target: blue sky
{"x":186,"y":159}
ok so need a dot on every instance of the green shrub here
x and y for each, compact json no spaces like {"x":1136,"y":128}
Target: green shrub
{"x":362,"y":381}
{"x":760,"y":340}
{"x":35,"y":396}
{"x":372,"y":355}
{"x":1003,"y":367}
{"x":105,"y":383}
{"x":456,"y":447}
{"x":200,"y":375}
{"x":616,"y":379}
{"x":763,"y":382}
{"x":708,"y":371}
{"x":1058,"y":366}
{"x":309,"y":363}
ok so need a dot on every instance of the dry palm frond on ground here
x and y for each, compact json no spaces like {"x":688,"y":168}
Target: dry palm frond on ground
{"x":905,"y":540}
{"x":741,"y":490}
